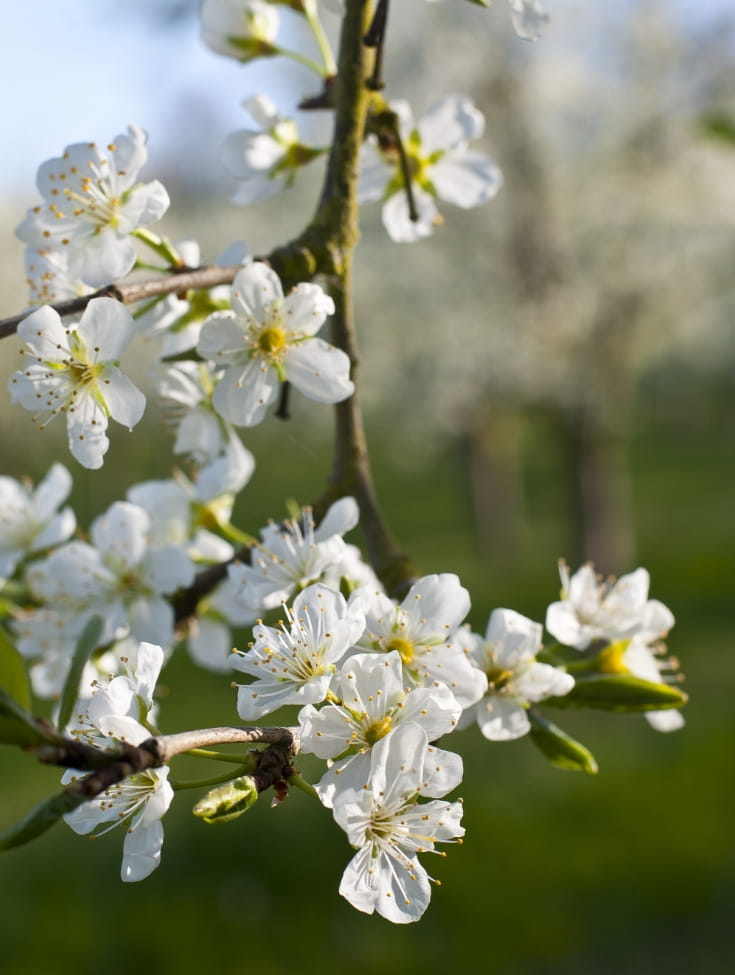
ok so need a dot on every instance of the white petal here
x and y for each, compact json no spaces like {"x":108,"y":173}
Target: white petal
{"x":319,"y":371}
{"x":255,"y":290}
{"x":142,"y":852}
{"x":466,"y":180}
{"x":529,"y":18}
{"x":124,"y":400}
{"x":502,"y":718}
{"x":398,"y":223}
{"x":449,"y":123}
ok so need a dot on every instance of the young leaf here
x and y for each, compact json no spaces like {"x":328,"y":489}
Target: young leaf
{"x":558,"y":747}
{"x":17,"y":726}
{"x":12,"y":672}
{"x":41,"y":818}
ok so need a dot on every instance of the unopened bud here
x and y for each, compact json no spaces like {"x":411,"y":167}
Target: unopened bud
{"x":227,"y":801}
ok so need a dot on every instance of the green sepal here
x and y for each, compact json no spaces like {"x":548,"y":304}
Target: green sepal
{"x":86,"y":644}
{"x":18,"y":726}
{"x":227,"y":801}
{"x":558,"y":747}
{"x":41,"y":818}
{"x":623,"y":693}
{"x":13,"y":677}
{"x":482,"y":3}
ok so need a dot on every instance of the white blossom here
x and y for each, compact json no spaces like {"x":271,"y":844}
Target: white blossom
{"x":292,"y":554}
{"x":137,"y":802}
{"x":592,"y":609}
{"x":119,"y":576}
{"x":294,"y":664}
{"x":643,"y":657}
{"x":529,"y":18}
{"x":48,"y":277}
{"x":30,"y":520}
{"x":266,"y":159}
{"x":74,"y":371}
{"x":516,"y":679}
{"x":267,"y":339}
{"x":389,"y":829}
{"x":422,"y":630}
{"x":373,"y":703}
{"x":92,"y":204}
{"x":440,"y":166}
{"x":241,"y":29}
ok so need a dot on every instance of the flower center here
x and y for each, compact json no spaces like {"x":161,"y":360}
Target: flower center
{"x":272,"y":340}
{"x":377,"y":730}
{"x":498,"y":678}
{"x":404,"y":647}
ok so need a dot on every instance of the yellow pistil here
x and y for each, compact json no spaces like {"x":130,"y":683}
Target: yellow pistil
{"x":377,"y":730}
{"x":272,"y":340}
{"x":498,"y":678}
{"x":610,"y":660}
{"x":404,"y":647}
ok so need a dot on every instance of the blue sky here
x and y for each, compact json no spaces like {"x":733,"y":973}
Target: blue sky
{"x":78,"y":70}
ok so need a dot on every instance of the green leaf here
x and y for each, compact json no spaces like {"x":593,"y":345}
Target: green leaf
{"x":558,"y":747}
{"x":40,"y":819}
{"x":18,"y":727}
{"x":13,"y":673}
{"x":86,"y":644}
{"x":621,"y":692}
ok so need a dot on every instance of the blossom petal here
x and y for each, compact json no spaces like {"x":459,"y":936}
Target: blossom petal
{"x":319,"y":371}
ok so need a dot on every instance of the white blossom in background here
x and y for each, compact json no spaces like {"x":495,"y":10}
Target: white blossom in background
{"x":264,"y":160}
{"x":186,"y":389}
{"x":241,"y":29}
{"x":594,"y":609}
{"x":120,"y":576}
{"x":48,"y":277}
{"x":389,"y":829}
{"x":507,"y":655}
{"x":530,"y":18}
{"x":177,"y":319}
{"x":295,"y":663}
{"x":440,"y":164}
{"x":209,"y":637}
{"x":373,"y":703}
{"x":267,"y":339}
{"x":292,"y":554}
{"x":92,"y":204}
{"x":423,"y":630}
{"x":30,"y":519}
{"x":73,"y":370}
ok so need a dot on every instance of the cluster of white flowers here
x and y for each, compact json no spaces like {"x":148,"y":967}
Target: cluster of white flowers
{"x":378,"y":683}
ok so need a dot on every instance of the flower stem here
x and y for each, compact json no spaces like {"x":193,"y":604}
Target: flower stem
{"x":308,"y":62}
{"x":178,"y":785}
{"x":325,"y":48}
{"x":164,"y":248}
